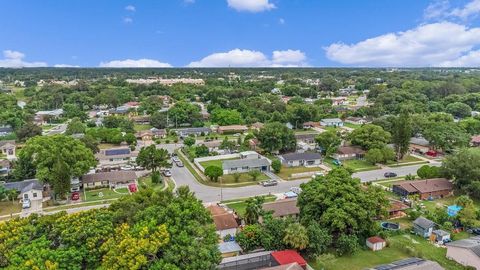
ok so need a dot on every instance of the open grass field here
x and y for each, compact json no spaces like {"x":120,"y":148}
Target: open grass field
{"x":286,"y":172}
{"x":217,"y":163}
{"x":7,"y":207}
{"x":359,"y":165}
{"x":139,"y":127}
{"x":240,"y":205}
{"x":400,"y":247}
{"x":350,"y":125}
{"x":94,"y":195}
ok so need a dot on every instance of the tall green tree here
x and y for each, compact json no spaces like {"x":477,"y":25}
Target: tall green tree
{"x":370,"y":136}
{"x":328,"y":141}
{"x":254,"y":209}
{"x":401,"y":134}
{"x":296,"y":236}
{"x":152,"y":158}
{"x":276,"y":137}
{"x":57,"y":159}
{"x":464,"y":168}
{"x":213,"y":172}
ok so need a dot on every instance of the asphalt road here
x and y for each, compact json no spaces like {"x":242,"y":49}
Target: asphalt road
{"x":182,"y":176}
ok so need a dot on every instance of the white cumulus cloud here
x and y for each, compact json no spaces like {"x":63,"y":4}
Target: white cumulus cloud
{"x":14,"y":59}
{"x":250,"y":58}
{"x":426,"y":45}
{"x":65,"y":66}
{"x":131,"y":63}
{"x":130,"y":8}
{"x":470,"y":9}
{"x":441,"y":9}
{"x":251,"y":5}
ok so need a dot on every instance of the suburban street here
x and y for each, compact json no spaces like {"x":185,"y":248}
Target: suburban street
{"x":182,"y":176}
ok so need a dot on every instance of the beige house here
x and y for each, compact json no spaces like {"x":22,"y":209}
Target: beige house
{"x":466,"y":251}
{"x":7,"y":149}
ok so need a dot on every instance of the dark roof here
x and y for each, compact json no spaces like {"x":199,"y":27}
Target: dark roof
{"x":349,"y":150}
{"x":426,"y":186}
{"x":24,"y":185}
{"x":410,"y":264}
{"x":115,"y":176}
{"x":282,"y":208}
{"x":472,"y":243}
{"x":194,"y":130}
{"x":223,"y":220}
{"x":301,"y":156}
{"x":245,"y":162}
{"x":6,"y":129}
{"x":116,"y":152}
{"x":424,"y":223}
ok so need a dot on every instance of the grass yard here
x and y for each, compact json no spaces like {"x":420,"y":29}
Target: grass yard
{"x":123,"y":190}
{"x":444,"y":202}
{"x":400,"y":247}
{"x":217,"y":163}
{"x":240,"y":205}
{"x":359,"y":165}
{"x":147,"y":181}
{"x":7,"y":208}
{"x":107,"y":146}
{"x":93,"y":195}
{"x":244,"y":178}
{"x":407,"y":159}
{"x":350,"y":125}
{"x":140,"y":127}
{"x":286,"y":172}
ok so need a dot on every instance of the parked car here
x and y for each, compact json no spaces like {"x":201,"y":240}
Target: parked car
{"x":389,"y":174}
{"x":175,"y":159}
{"x":167,"y":173}
{"x":26,"y":204}
{"x":296,"y":190}
{"x":476,"y":231}
{"x":269,"y":183}
{"x":179,"y":163}
{"x":126,"y":168}
{"x":337,"y":162}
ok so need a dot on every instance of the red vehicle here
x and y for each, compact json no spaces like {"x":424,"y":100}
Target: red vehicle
{"x":132,"y":188}
{"x":75,"y":196}
{"x":432,"y":153}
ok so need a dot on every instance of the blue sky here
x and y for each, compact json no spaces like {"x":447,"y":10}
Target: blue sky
{"x":91,"y":33}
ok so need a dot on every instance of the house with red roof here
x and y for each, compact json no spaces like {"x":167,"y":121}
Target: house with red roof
{"x":289,"y":256}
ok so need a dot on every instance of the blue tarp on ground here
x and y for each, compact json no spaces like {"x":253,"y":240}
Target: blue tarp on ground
{"x":453,"y":210}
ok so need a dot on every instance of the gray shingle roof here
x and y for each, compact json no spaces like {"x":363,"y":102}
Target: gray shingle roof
{"x":301,"y":156}
{"x":246,"y":162}
{"x":472,"y":243}
{"x":424,"y":223}
{"x":24,"y":185}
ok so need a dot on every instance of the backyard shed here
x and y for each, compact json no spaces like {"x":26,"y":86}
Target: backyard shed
{"x":376,"y":243}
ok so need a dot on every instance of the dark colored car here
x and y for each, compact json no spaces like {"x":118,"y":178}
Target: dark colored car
{"x":476,"y":231}
{"x":389,"y":174}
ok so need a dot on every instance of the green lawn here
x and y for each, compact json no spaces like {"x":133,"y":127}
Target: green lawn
{"x":147,"y":181}
{"x":350,"y":125}
{"x":240,"y":205}
{"x":244,"y":178}
{"x":217,"y":163}
{"x":123,"y":190}
{"x":7,"y":207}
{"x":140,"y":127}
{"x":93,"y":195}
{"x":407,"y":159}
{"x":359,"y":165}
{"x":445,"y":202}
{"x":286,"y":172}
{"x":400,"y":247}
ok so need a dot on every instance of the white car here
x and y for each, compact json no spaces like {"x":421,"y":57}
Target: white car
{"x":167,"y":173}
{"x":317,"y":174}
{"x":296,"y":190}
{"x":26,"y":203}
{"x":126,"y":168}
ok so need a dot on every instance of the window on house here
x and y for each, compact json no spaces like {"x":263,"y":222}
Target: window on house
{"x":34,"y":195}
{"x":90,"y":184}
{"x":105,"y":182}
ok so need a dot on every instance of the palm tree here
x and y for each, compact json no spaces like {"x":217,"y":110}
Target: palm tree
{"x":254,"y":209}
{"x":296,"y":236}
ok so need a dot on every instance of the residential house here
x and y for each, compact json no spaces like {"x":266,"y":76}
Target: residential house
{"x":7,"y":149}
{"x":306,"y":137}
{"x":282,"y":208}
{"x":196,"y":131}
{"x":290,"y":266}
{"x":276,"y":91}
{"x":115,"y":156}
{"x":30,"y":189}
{"x":475,"y":141}
{"x":331,"y":122}
{"x":357,"y":120}
{"x":5,"y":131}
{"x":311,"y":124}
{"x":229,"y":249}
{"x":257,"y":126}
{"x":120,"y":111}
{"x":410,"y":264}
{"x":441,"y":236}
{"x":42,"y":117}
{"x":108,"y":179}
{"x":349,"y":152}
{"x":397,"y":209}
{"x":286,"y":257}
{"x":225,"y":222}
{"x":5,"y":166}
{"x":231,"y":129}
{"x":301,"y":159}
{"x":376,"y":243}
{"x":466,"y":251}
{"x":158,"y":133}
{"x":419,"y":144}
{"x":426,"y":189}
{"x":423,"y":227}
{"x":144,"y":135}
{"x":245,"y":165}
{"x":141,"y":119}
{"x":337,"y":101}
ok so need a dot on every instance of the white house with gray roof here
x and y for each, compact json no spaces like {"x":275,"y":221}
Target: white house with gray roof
{"x":331,"y":122}
{"x":466,"y":251}
{"x":30,"y":189}
{"x":301,"y":159}
{"x":245,"y":165}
